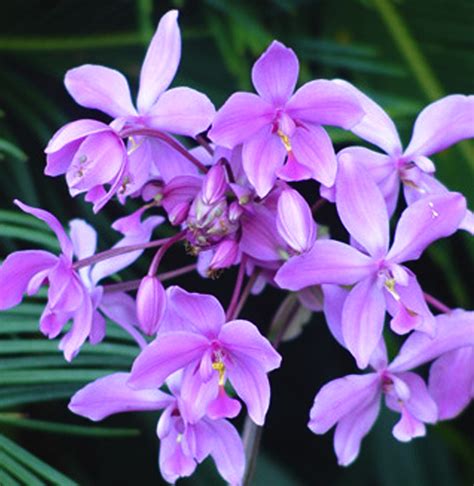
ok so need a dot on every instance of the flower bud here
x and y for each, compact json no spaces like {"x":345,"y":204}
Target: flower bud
{"x":225,"y":255}
{"x":214,"y":185}
{"x":151,"y":304}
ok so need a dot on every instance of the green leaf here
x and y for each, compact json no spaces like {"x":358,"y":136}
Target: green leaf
{"x":11,"y":149}
{"x":18,"y":470}
{"x":24,"y":377}
{"x":11,"y":396}
{"x":34,"y":463}
{"x":33,"y":236}
{"x":67,"y":429}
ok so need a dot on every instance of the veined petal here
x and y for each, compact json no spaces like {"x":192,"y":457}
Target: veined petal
{"x":454,"y":330}
{"x":241,"y":117}
{"x":334,"y":298}
{"x":168,"y":353}
{"x":425,"y":221}
{"x":250,"y":382}
{"x":442,"y":124}
{"x":244,"y":339}
{"x":101,"y":88}
{"x":182,"y":111}
{"x":161,"y":61}
{"x":111,"y":394}
{"x":53,"y":223}
{"x":83,"y":238}
{"x":363,"y":319}
{"x":361,"y":206}
{"x":451,"y":381}
{"x":327,"y":262}
{"x":275,"y":73}
{"x":97,"y":161}
{"x":16,"y":272}
{"x":376,"y":126}
{"x":295,"y":221}
{"x":313,"y":148}
{"x":324,"y":102}
{"x":262,"y":156}
{"x":227,"y":450}
{"x":201,"y":313}
{"x":351,"y":429}
{"x":342,"y":397}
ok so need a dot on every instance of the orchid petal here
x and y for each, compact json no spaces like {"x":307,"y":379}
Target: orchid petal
{"x":361,"y":206}
{"x":250,"y":382}
{"x":16,"y":272}
{"x":454,"y":330}
{"x":295,"y":221}
{"x":111,"y":394}
{"x":351,"y":429}
{"x":442,"y":124}
{"x":420,"y":404}
{"x":100,"y":88}
{"x":342,"y":397}
{"x":168,"y":353}
{"x":327,"y":262}
{"x":262,"y":156}
{"x":83,"y":238}
{"x":201,"y":313}
{"x":240,"y":118}
{"x":313,"y":148}
{"x":183,"y":111}
{"x":425,"y":221}
{"x":363,"y":319}
{"x":408,"y":427}
{"x":451,"y":381}
{"x":376,"y":126}
{"x":53,"y":223}
{"x":243,"y":339}
{"x":275,"y":73}
{"x":161,"y":61}
{"x":334,"y":298}
{"x":324,"y":102}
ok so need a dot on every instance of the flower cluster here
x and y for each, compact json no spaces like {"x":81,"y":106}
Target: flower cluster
{"x":230,"y":200}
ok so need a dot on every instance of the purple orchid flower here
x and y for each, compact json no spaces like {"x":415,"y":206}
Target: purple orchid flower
{"x":380,"y":280}
{"x":352,"y":403}
{"x":93,"y":154}
{"x":197,"y":339}
{"x":73,"y":294}
{"x":440,"y":125}
{"x":277,"y":124}
{"x":184,"y":444}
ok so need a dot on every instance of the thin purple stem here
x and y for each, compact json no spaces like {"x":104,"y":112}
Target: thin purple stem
{"x":202,"y":140}
{"x":437,"y":304}
{"x":245,"y":293}
{"x":317,"y":205}
{"x":150,"y":132}
{"x":161,"y":252}
{"x":134,"y":284}
{"x":237,"y":288}
{"x":113,"y":252}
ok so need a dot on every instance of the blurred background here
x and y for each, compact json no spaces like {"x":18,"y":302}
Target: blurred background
{"x":404,"y":54}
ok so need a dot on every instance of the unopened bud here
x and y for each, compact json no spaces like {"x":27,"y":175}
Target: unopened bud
{"x":151,"y":304}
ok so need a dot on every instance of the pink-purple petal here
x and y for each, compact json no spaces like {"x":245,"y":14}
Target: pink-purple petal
{"x":275,"y":73}
{"x":168,"y":353}
{"x":425,"y":221}
{"x":324,"y":102}
{"x":327,"y":262}
{"x":182,"y":111}
{"x":442,"y":124}
{"x":240,"y":118}
{"x":161,"y":61}
{"x":111,"y":394}
{"x":361,"y":206}
{"x":16,"y":272}
{"x":100,"y":88}
{"x":363,"y":319}
{"x":340,"y":398}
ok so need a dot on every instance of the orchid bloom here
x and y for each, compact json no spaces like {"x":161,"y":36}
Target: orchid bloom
{"x":184,"y":444}
{"x":379,"y":278}
{"x":72,"y":294}
{"x":352,"y":403}
{"x":440,"y":125}
{"x":92,"y":153}
{"x":197,"y":339}
{"x":277,"y":124}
